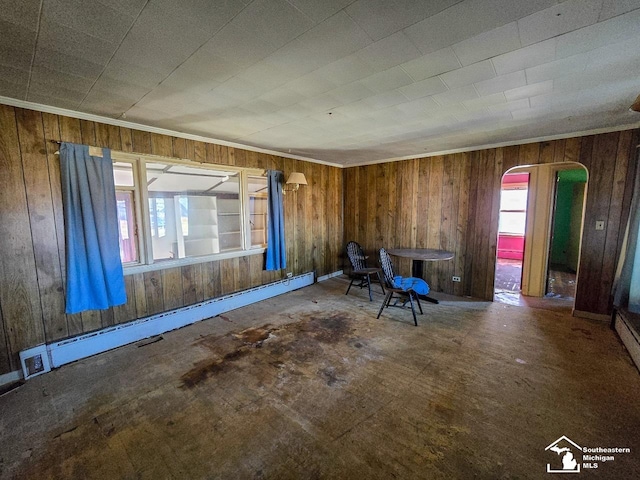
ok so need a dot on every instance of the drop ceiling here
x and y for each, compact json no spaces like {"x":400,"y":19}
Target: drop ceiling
{"x":339,"y":81}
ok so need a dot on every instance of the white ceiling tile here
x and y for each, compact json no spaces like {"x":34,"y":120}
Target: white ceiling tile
{"x":424,"y":88}
{"x":469,"y":18}
{"x":235,"y":46}
{"x":187,"y":81}
{"x":381,"y":18}
{"x":501,"y":83}
{"x":558,"y":19}
{"x":54,"y":60}
{"x":55,"y":100}
{"x":389,"y":52}
{"x":488,"y":44}
{"x":114,"y":87}
{"x":135,"y":74}
{"x":384,"y":100}
{"x":335,"y":38}
{"x":259,"y":107}
{"x":206,"y":15}
{"x":275,"y":21}
{"x":266,"y":74}
{"x":23,"y":13}
{"x":485,"y":101}
{"x":75,"y":43}
{"x":466,"y":75}
{"x":320,"y":103}
{"x":351,"y":93}
{"x":319,"y":11}
{"x":310,"y":85}
{"x":457,"y":95}
{"x":240,"y":89}
{"x":537,"y":54}
{"x":529,"y":91}
{"x":345,"y":70}
{"x":420,"y":107}
{"x":610,"y":31}
{"x":13,"y":90}
{"x":91,"y":18}
{"x":283,"y":96}
{"x":390,"y":79}
{"x":566,"y":66}
{"x":433,"y":64}
{"x":16,"y":45}
{"x":613,"y":8}
{"x":510,"y":106}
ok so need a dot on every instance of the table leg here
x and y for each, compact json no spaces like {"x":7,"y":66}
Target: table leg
{"x":417,"y":271}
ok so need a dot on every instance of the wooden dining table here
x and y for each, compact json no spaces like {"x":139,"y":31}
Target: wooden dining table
{"x":420,"y":255}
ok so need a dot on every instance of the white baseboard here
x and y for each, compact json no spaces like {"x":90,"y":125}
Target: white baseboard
{"x":10,"y":377}
{"x":629,"y":338}
{"x":592,"y":316}
{"x":329,"y":275}
{"x":56,"y":354}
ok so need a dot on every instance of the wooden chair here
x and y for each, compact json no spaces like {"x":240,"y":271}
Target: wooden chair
{"x":360,"y":270}
{"x":402,"y":294}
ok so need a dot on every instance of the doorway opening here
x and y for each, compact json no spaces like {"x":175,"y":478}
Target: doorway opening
{"x":511,"y":236}
{"x":566,"y":230}
{"x":539,"y":235}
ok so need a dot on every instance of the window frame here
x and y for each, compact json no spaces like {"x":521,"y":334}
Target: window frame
{"x":514,"y":186}
{"x":143,"y":235}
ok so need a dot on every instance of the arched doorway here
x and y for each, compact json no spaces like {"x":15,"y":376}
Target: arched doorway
{"x":540,"y":227}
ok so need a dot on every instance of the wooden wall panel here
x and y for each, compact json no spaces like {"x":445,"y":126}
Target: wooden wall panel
{"x":19,"y":294}
{"x":32,"y":251}
{"x":456,"y":200}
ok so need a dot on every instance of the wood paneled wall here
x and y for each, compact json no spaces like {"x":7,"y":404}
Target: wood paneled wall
{"x":452,"y":202}
{"x":32,"y":247}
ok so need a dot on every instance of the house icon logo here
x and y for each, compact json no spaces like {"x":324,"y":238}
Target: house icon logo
{"x":566,"y":450}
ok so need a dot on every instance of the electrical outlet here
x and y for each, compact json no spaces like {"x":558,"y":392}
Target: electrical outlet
{"x":456,"y":279}
{"x":289,"y":274}
{"x":599,"y":224}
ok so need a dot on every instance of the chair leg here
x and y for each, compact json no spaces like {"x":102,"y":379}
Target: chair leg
{"x":369,"y":287}
{"x":419,"y":304}
{"x":349,"y":288}
{"x":413,"y":310}
{"x":380,"y":282}
{"x":384,"y":302}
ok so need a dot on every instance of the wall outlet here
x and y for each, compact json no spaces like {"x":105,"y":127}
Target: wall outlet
{"x":456,"y":279}
{"x":289,"y":274}
{"x":599,"y":224}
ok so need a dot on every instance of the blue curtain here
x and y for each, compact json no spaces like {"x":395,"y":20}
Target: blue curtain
{"x":276,"y":256}
{"x":95,"y":279}
{"x":627,"y":288}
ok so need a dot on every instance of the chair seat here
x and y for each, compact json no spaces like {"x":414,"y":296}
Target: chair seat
{"x":368,"y":270}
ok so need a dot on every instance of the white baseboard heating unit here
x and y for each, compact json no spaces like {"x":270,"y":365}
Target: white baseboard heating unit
{"x":43,"y":358}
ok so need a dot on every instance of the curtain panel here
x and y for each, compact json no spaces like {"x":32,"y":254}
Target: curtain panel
{"x":276,"y":255}
{"x":95,"y":279}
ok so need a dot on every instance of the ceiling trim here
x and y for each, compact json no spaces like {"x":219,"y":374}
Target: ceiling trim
{"x":487,"y":146}
{"x":13,"y":102}
{"x":163,"y":131}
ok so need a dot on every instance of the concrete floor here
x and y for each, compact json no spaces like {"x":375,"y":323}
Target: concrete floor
{"x":310,"y":385}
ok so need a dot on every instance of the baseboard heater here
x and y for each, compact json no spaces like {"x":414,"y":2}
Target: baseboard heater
{"x":629,"y":335}
{"x":43,"y":358}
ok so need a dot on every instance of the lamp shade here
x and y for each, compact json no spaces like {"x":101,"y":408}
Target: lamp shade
{"x":297,"y":178}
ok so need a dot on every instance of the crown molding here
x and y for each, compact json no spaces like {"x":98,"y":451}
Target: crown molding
{"x":13,"y":102}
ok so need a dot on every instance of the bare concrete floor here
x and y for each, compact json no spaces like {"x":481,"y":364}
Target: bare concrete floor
{"x":310,"y":385}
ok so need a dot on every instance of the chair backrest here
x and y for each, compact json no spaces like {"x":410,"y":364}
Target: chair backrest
{"x":356,"y":256}
{"x":387,"y":267}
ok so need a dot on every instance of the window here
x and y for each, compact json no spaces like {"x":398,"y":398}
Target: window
{"x":513,"y":210}
{"x":187,"y":212}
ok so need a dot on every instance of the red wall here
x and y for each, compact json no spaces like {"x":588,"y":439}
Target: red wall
{"x":510,"y":246}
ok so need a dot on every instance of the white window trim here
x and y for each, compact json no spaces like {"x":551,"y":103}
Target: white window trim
{"x":143,"y":224}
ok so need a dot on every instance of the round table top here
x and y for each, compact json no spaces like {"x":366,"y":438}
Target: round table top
{"x":425,"y":254}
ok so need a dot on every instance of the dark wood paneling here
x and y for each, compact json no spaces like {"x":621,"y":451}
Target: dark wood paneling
{"x":42,"y":221}
{"x":455,"y":201}
{"x":19,"y":294}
